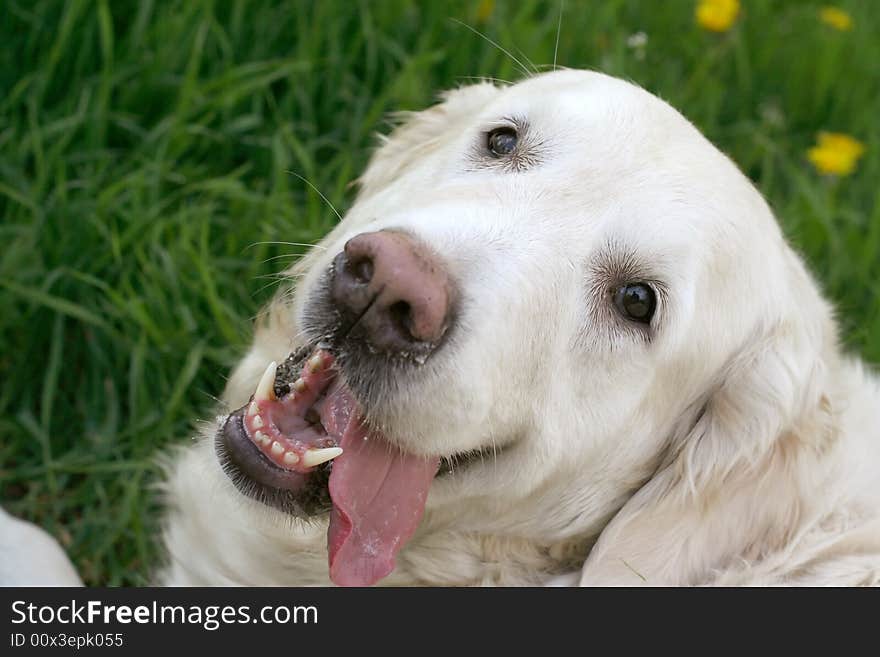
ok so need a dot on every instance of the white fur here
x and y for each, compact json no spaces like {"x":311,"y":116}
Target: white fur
{"x":31,"y":557}
{"x":739,"y":446}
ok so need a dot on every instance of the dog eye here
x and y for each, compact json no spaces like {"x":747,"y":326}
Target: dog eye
{"x":636,"y":301}
{"x":502,"y":141}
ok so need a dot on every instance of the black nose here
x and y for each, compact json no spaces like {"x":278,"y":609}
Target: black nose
{"x":397,"y":290}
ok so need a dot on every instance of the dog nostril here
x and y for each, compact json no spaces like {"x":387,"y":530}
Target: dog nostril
{"x":400,"y":314}
{"x":394,"y":289}
{"x":361,"y":269}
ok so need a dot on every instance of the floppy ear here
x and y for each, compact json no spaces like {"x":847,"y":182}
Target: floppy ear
{"x":418,"y":133}
{"x":728,"y":489}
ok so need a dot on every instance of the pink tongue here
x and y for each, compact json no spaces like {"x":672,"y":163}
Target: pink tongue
{"x":378,"y":496}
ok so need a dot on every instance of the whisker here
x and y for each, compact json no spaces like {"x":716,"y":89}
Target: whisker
{"x":558,"y":32}
{"x":318,"y":191}
{"x":264,"y":310}
{"x":484,"y":78}
{"x":275,"y":279}
{"x":316,"y":246}
{"x":525,"y":70}
{"x":528,"y":60}
{"x":274,"y":276}
{"x":282,"y":256}
{"x":266,"y":286}
{"x":216,"y":399}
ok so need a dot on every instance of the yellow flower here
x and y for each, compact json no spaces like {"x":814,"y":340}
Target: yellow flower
{"x":836,"y":18}
{"x":484,"y":10}
{"x":717,"y":15}
{"x":836,"y":153}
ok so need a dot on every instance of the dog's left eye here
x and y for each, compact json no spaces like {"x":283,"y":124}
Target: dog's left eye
{"x":502,"y":141}
{"x":636,"y":301}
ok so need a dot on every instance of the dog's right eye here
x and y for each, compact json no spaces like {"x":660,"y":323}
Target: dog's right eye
{"x":502,"y":141}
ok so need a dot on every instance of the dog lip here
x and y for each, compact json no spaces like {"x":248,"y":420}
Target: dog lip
{"x":251,"y":460}
{"x":462,"y":461}
{"x":453,"y":463}
{"x":299,"y":494}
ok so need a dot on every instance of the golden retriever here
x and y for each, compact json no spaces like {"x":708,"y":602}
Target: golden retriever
{"x":558,"y":339}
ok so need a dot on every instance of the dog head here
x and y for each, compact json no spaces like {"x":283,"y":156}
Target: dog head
{"x":543,"y":294}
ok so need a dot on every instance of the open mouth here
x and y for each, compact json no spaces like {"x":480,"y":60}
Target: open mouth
{"x":283,"y":420}
{"x":302,"y":436}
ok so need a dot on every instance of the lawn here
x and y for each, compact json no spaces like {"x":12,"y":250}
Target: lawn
{"x":152,"y":157}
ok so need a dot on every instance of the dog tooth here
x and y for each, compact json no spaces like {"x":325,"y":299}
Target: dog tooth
{"x":261,"y":438}
{"x":316,"y":362}
{"x":266,"y":386}
{"x":299,"y":385}
{"x":257,"y":422}
{"x":290,"y":458}
{"x":277,"y":448}
{"x":314,"y":457}
{"x":253,"y":409}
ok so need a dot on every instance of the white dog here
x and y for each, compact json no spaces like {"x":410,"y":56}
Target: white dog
{"x":558,"y":339}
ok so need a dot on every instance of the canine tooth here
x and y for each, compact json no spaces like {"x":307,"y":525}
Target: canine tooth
{"x":299,"y":385}
{"x":266,"y":386}
{"x":316,"y":362}
{"x":277,"y":448}
{"x":314,"y":457}
{"x":261,"y":438}
{"x":253,"y":409}
{"x":257,"y":422}
{"x":290,"y":458}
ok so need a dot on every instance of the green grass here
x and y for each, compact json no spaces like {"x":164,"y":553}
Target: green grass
{"x":145,"y":158}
